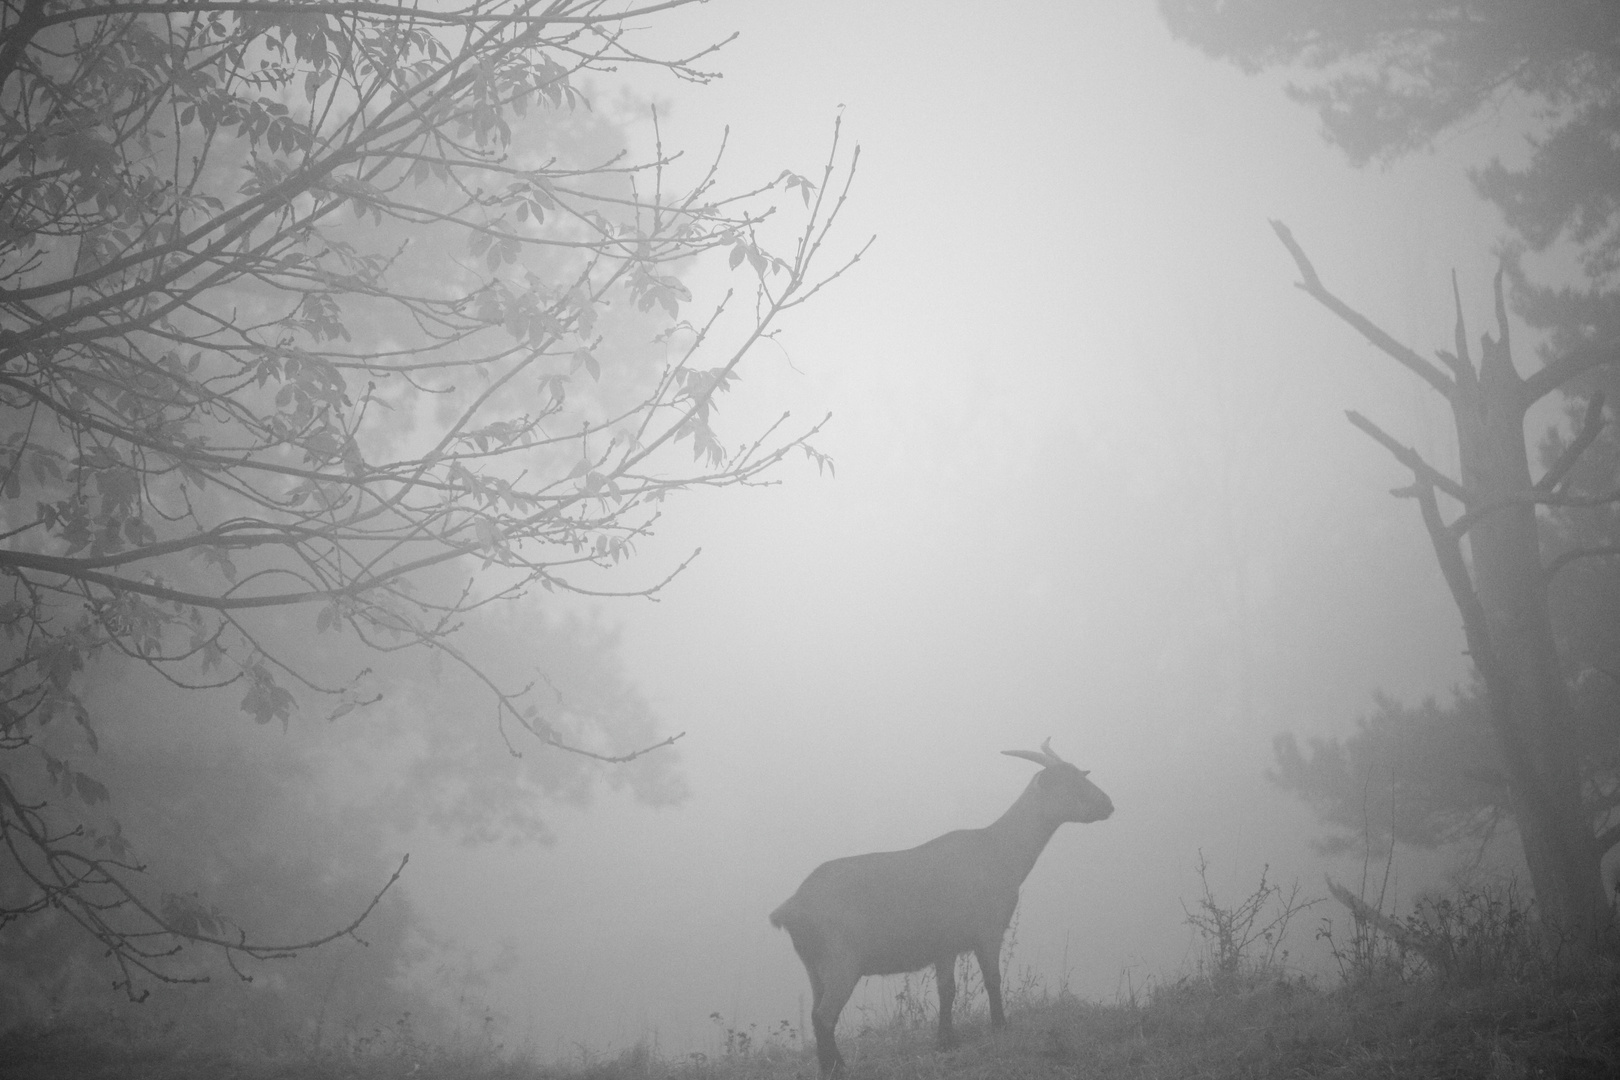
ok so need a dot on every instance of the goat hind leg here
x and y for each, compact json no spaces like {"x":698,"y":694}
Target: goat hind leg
{"x":831,"y":992}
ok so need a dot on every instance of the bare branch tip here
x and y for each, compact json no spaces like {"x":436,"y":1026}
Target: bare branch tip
{"x":1312,"y":283}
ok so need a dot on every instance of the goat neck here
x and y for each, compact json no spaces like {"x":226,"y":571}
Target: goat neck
{"x":1022,"y":832}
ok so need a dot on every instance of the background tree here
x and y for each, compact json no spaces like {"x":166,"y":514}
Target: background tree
{"x":1424,"y":776}
{"x":290,"y":834}
{"x":327,"y":307}
{"x":1538,"y":585}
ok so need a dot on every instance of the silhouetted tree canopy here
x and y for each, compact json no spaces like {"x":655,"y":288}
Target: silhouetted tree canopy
{"x":1388,"y":77}
{"x":350,"y":311}
{"x":291,"y":835}
{"x":1425,"y":776}
{"x":1536,"y":581}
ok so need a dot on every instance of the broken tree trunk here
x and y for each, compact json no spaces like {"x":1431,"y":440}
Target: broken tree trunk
{"x":1501,"y":592}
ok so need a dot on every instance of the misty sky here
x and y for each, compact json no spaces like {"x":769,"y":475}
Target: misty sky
{"x":1093,"y":482}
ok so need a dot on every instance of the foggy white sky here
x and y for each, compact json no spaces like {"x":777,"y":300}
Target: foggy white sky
{"x":1094,"y":483}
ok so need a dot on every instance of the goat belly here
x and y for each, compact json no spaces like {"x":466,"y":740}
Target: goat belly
{"x":904,"y":957}
{"x":897,"y":911}
{"x":915,"y":936}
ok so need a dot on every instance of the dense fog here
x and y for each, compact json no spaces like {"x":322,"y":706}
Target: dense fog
{"x":1093,"y":482}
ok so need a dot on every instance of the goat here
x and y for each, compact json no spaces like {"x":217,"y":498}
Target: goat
{"x":898,"y":911}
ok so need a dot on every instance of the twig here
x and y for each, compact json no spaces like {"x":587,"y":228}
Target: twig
{"x":1312,"y":284}
{"x":1411,"y":459}
{"x":1591,"y":428}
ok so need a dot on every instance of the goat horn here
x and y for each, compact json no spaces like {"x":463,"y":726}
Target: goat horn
{"x":1043,"y":756}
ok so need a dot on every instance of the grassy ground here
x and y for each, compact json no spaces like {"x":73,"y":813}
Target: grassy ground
{"x":1251,"y":1027}
{"x":1463,"y":987}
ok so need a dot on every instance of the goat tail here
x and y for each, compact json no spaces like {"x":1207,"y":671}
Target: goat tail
{"x":783,"y":917}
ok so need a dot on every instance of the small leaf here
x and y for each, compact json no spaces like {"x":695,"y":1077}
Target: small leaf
{"x":89,"y":790}
{"x":82,"y":718}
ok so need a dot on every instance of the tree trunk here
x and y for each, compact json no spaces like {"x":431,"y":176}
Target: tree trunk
{"x":1503,"y":595}
{"x":1530,"y":708}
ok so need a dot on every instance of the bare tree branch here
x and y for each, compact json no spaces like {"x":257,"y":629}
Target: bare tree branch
{"x":1597,"y":551}
{"x":1412,"y":459}
{"x":1363,"y":325}
{"x":1571,"y":365}
{"x":1460,"y":363}
{"x":1591,"y":428}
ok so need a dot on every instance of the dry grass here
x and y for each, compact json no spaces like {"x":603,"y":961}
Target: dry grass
{"x":1462,"y":988}
{"x":1255,"y":1028}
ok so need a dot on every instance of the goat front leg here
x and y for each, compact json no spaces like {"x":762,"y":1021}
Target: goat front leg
{"x":945,"y":979}
{"x":990,"y":972}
